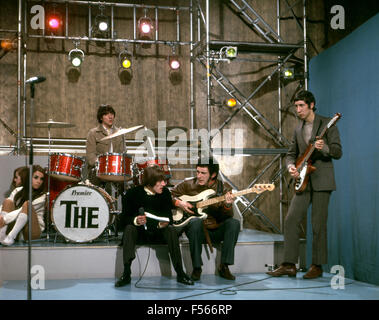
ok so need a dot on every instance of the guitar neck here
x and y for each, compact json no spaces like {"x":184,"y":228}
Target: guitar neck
{"x":211,"y":201}
{"x":311,"y":146}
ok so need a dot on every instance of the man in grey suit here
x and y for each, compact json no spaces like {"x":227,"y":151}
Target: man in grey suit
{"x":320,"y":185}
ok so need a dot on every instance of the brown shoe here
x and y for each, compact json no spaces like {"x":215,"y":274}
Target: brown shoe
{"x":284,"y":270}
{"x":313,"y":272}
{"x":224,"y":272}
{"x":196,"y":274}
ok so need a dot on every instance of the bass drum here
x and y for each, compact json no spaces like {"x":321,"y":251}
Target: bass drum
{"x":81,"y":213}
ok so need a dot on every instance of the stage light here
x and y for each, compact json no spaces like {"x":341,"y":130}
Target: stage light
{"x":231,"y":52}
{"x":174,"y":62}
{"x":231,"y":102}
{"x":8,"y":45}
{"x":125,"y":59}
{"x":288,"y":73}
{"x":145,"y":27}
{"x":101,"y":26}
{"x":76,"y":57}
{"x":54,"y":24}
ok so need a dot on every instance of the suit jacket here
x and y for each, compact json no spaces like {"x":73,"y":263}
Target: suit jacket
{"x":95,"y":147}
{"x":157,"y":204}
{"x":323,"y":178}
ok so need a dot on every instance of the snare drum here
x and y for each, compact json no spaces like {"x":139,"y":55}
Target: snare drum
{"x":66,"y":167}
{"x":113,"y":166}
{"x":81,"y":213}
{"x":163,"y":164}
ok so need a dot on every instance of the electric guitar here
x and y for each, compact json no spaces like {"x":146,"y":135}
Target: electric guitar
{"x":203,"y":200}
{"x":304,"y":163}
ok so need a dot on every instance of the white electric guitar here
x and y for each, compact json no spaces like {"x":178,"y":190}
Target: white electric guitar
{"x":204,"y":199}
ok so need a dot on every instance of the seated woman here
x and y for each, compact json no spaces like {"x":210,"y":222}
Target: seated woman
{"x":19,"y":175}
{"x":15,"y":208}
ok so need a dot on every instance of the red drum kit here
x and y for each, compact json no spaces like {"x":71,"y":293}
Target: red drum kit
{"x":113,"y":167}
{"x":81,"y":211}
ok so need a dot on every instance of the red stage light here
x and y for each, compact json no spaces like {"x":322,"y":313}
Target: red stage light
{"x":54,"y":23}
{"x":145,"y":27}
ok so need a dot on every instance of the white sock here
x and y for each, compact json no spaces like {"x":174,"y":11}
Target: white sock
{"x":10,"y":216}
{"x":21,"y":221}
{"x":3,"y":230}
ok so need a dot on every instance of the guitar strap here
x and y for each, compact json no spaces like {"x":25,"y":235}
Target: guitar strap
{"x":220,"y":188}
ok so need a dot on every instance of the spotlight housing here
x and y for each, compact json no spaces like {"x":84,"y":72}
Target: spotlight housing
{"x":101,"y":26}
{"x":125,"y":59}
{"x":76,"y":57}
{"x":145,"y":27}
{"x":288,"y":73}
{"x":231,"y":52}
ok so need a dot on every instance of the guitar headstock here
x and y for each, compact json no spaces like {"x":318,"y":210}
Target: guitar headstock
{"x":261,"y":187}
{"x":333,"y":121}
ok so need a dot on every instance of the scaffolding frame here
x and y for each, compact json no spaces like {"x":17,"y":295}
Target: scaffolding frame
{"x":207,"y":56}
{"x":201,"y":51}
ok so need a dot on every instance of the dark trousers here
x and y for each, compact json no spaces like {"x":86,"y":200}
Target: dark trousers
{"x":296,"y":213}
{"x":168,"y":235}
{"x":227,"y":233}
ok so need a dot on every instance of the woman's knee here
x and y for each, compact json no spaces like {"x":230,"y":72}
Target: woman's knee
{"x":8,"y":205}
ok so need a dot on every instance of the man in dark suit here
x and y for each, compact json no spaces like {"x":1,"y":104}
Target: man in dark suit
{"x":153,"y":197}
{"x":321,"y":184}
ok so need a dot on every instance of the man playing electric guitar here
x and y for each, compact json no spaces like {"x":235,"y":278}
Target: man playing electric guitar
{"x":226,"y":228}
{"x":318,"y":189}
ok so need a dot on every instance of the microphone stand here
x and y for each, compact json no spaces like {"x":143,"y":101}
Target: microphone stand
{"x":32,"y":82}
{"x":30,"y":206}
{"x":48,"y":187}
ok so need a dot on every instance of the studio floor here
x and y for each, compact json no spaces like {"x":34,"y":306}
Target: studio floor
{"x":258,"y":286}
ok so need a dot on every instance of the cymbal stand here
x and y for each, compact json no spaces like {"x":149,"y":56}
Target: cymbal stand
{"x":48,"y":186}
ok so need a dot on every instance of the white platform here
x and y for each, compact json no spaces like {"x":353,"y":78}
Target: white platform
{"x":255,"y":251}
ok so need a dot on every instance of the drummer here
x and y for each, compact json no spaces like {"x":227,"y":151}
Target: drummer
{"x":95,"y":147}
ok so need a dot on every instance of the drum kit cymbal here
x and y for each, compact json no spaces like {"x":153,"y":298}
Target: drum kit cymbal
{"x":53,"y":124}
{"x":120,"y":132}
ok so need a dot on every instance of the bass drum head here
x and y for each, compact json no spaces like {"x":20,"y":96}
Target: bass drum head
{"x":80,"y":213}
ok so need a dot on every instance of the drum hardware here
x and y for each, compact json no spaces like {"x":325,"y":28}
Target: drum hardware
{"x":50,"y":124}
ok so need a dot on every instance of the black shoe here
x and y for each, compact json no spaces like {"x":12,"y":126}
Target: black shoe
{"x":196,"y":274}
{"x":185,"y":279}
{"x":123,"y":281}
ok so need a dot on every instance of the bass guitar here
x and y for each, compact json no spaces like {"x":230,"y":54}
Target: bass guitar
{"x":304,"y":163}
{"x":204,"y":199}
